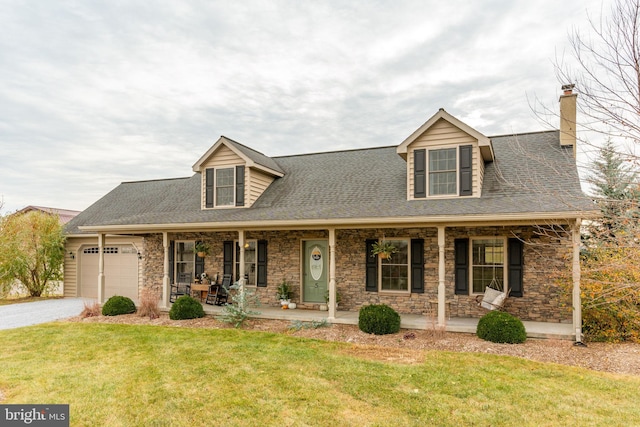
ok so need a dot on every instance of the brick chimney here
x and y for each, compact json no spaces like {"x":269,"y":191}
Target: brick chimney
{"x":568,"y":117}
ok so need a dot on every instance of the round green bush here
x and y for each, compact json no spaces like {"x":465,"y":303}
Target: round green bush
{"x":498,"y":326}
{"x":378,"y":319}
{"x":117,"y":305}
{"x":186,"y":307}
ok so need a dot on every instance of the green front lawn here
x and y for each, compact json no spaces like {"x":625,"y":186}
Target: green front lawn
{"x":126,"y":375}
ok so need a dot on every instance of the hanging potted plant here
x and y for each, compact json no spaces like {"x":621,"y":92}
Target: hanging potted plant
{"x":383,"y":249}
{"x":201,"y":249}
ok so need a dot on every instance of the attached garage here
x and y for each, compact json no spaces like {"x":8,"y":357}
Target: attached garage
{"x":120,"y":271}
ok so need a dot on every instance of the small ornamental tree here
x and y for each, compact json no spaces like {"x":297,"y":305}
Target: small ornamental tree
{"x":31,"y":251}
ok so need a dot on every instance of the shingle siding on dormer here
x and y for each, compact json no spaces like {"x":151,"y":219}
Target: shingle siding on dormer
{"x":443,"y":134}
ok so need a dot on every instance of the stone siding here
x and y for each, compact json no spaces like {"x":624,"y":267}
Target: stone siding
{"x":543,"y":259}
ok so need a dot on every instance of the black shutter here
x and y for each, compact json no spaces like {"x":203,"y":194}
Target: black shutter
{"x":515,"y":270}
{"x":199,"y":264}
{"x":227,"y":266}
{"x":466,"y":188}
{"x":417,"y":266}
{"x":371,"y":284}
{"x":462,"y":266}
{"x":172,"y":247}
{"x":419,"y":173}
{"x":209,"y":188}
{"x":239,"y":185}
{"x":262,"y":263}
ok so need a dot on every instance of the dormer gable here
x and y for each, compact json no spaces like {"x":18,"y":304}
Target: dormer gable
{"x":445,"y":159}
{"x":234,"y":175}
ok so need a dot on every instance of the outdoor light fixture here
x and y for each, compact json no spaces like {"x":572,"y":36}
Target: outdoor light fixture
{"x":72,"y":255}
{"x":139,"y":255}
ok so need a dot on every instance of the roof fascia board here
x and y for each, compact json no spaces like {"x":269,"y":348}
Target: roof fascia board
{"x":448,"y":221}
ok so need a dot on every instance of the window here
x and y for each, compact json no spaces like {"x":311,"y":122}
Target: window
{"x":394,"y":272}
{"x":249,"y":262}
{"x":442,"y":172}
{"x":184,"y":258}
{"x":225,"y":188}
{"x":487,"y":263}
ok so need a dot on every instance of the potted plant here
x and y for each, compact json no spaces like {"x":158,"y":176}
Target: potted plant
{"x":283,"y":293}
{"x":201,"y":249}
{"x":326,"y":297}
{"x":383,"y":249}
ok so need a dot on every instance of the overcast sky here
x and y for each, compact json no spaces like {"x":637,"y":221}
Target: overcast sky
{"x":95,"y":93}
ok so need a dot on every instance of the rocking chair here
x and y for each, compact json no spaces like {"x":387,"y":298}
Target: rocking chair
{"x":181,"y":287}
{"x":219,"y":294}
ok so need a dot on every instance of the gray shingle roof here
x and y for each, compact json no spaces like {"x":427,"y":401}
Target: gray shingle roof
{"x":256,"y":156}
{"x":531,"y":174}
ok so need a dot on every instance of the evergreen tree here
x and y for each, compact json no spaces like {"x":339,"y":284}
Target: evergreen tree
{"x":615,"y":187}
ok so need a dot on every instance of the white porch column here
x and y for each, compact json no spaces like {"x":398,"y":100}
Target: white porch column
{"x":241,"y":243}
{"x":577,"y":301}
{"x":165,"y":274}
{"x":441,"y":276}
{"x":332,"y":275}
{"x":101,"y":268}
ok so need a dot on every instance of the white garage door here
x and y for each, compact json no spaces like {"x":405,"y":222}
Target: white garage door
{"x":120,"y":272}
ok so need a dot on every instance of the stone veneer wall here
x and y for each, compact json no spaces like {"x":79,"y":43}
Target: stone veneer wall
{"x":542,"y":300}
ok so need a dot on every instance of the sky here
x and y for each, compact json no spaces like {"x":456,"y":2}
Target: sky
{"x":94,"y":93}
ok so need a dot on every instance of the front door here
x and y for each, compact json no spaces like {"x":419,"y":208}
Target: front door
{"x":315,"y":271}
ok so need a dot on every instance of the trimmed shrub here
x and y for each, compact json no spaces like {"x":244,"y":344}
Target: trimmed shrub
{"x":117,"y":305}
{"x":186,"y":307}
{"x":498,"y":326}
{"x":378,"y":319}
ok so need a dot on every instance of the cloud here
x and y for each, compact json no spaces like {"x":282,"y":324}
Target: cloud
{"x":95,"y":93}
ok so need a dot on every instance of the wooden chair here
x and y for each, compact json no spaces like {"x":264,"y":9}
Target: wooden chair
{"x":181,"y":287}
{"x":219,"y":294}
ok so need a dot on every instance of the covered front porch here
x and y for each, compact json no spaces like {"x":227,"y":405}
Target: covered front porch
{"x":546,"y":330}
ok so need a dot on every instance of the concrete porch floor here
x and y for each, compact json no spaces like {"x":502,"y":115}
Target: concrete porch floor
{"x":407,"y":321}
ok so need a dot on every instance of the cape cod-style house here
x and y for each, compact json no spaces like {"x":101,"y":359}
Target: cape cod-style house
{"x":462,"y":209}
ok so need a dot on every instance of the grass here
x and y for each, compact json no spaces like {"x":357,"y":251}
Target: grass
{"x":22,"y":298}
{"x":132,"y":375}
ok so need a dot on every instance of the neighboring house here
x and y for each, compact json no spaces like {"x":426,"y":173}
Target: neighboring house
{"x":461,"y":208}
{"x":65,"y":215}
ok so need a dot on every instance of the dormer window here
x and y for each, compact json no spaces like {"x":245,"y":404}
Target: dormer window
{"x":224,"y":187}
{"x":442,"y":172}
{"x":446,"y":173}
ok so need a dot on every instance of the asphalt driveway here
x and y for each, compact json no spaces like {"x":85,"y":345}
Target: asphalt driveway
{"x":32,"y":313}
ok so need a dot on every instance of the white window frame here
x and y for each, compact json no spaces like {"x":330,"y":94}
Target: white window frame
{"x":176,"y":262}
{"x":428,"y":172}
{"x":503,"y":239}
{"x":408,"y":265}
{"x":236,"y":262}
{"x":215,"y":186}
